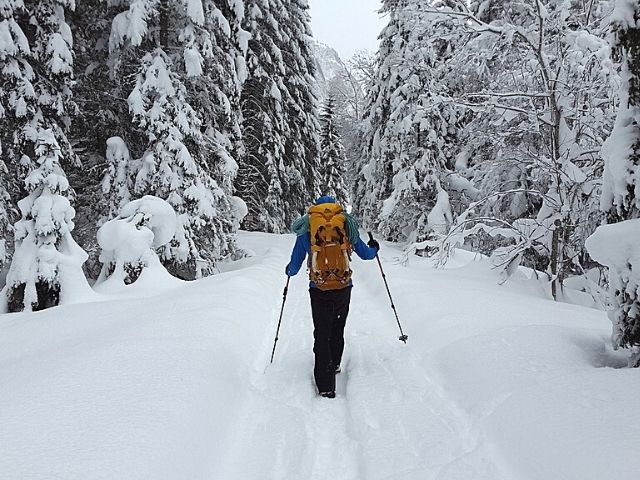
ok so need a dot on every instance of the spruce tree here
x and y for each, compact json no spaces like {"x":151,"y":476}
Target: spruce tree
{"x":302,"y":147}
{"x":37,"y":64}
{"x":332,"y":157}
{"x":407,"y":138}
{"x":187,"y":62}
{"x":260,"y":175}
{"x":278,"y":168}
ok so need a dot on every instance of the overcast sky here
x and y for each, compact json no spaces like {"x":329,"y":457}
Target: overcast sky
{"x":347,"y":25}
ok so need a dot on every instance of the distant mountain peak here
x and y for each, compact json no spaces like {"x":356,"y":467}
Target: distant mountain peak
{"x":328,"y":66}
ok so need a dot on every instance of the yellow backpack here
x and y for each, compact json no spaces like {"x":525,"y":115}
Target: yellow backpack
{"x":330,"y":247}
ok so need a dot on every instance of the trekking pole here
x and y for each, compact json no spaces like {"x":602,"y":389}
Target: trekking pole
{"x":284,"y":299}
{"x":402,"y":337}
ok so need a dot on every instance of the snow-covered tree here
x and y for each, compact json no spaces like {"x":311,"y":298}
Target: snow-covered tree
{"x":4,"y":219}
{"x":187,"y":59}
{"x":277,"y":171}
{"x":47,"y":264}
{"x":349,"y":89}
{"x":332,"y":178}
{"x":539,"y":89}
{"x":407,"y":134}
{"x":617,"y":245}
{"x":621,"y":187}
{"x":302,"y":147}
{"x":35,"y":109}
{"x":261,"y":172}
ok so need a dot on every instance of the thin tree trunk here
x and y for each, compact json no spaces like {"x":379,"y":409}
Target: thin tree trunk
{"x":164,"y":24}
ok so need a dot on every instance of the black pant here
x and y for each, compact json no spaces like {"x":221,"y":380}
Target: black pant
{"x":329,"y":309}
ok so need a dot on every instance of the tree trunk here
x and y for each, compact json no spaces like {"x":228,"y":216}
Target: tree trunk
{"x":164,"y":25}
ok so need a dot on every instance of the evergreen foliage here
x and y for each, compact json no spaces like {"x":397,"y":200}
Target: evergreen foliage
{"x":187,"y":62}
{"x":159,"y":86}
{"x":407,"y":136}
{"x":36,"y":106}
{"x":278,"y":168}
{"x":332,"y":178}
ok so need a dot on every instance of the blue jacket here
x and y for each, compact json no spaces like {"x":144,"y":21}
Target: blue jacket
{"x":303,"y":247}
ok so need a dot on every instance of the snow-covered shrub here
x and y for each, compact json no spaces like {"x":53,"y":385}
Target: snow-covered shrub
{"x":46,"y":268}
{"x":129,"y":241}
{"x":617,"y":246}
{"x":239,"y":210}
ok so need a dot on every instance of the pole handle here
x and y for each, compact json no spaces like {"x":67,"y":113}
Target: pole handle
{"x":370,"y":236}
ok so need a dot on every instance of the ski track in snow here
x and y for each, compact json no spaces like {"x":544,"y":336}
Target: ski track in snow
{"x":389,"y":421}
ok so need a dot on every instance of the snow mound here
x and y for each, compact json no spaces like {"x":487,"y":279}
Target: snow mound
{"x":129,"y":241}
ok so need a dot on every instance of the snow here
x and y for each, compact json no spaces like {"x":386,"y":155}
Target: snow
{"x":58,"y":48}
{"x":12,"y":39}
{"x":142,"y":226}
{"x":616,"y":247}
{"x":440,"y":216}
{"x":624,"y":13}
{"x":239,"y":210}
{"x":624,"y":235}
{"x":617,"y":151}
{"x":119,"y":28}
{"x":193,"y":62}
{"x":195,"y":11}
{"x":495,"y":383}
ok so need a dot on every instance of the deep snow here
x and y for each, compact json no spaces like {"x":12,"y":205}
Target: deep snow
{"x":171,"y":381}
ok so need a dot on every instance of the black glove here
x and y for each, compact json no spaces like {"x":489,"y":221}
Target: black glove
{"x":286,"y":270}
{"x":373,"y":244}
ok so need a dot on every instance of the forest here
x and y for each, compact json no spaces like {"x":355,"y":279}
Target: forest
{"x":507,"y":128}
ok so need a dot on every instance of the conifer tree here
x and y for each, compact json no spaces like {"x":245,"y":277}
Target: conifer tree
{"x":4,"y":218}
{"x":302,"y":147}
{"x":277,"y":170}
{"x":37,"y":64}
{"x":407,"y":138}
{"x":260,"y":176}
{"x":187,"y":59}
{"x":47,"y":262}
{"x":332,"y":157}
{"x":621,"y":193}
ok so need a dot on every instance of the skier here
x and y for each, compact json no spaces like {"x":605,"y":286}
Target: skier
{"x":327,"y":235}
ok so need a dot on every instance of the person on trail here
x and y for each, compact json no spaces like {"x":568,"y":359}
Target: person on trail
{"x":326,"y":236}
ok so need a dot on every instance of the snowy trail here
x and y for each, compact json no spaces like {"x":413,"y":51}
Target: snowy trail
{"x":287,"y":431}
{"x":389,"y":421}
{"x":166,"y":382}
